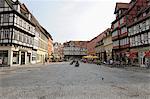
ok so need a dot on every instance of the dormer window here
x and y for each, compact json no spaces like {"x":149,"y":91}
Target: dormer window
{"x":120,"y":12}
{"x":29,"y":17}
{"x":17,"y":7}
{"x":135,"y":19}
{"x":144,"y":14}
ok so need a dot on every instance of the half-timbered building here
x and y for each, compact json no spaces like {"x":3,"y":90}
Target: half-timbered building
{"x":16,"y":34}
{"x":22,"y":39}
{"x":139,"y":34}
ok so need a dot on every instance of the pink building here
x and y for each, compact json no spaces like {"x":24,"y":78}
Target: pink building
{"x":92,"y":43}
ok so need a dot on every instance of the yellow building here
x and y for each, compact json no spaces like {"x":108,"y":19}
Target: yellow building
{"x":42,"y":52}
{"x":108,"y":46}
{"x":42,"y":42}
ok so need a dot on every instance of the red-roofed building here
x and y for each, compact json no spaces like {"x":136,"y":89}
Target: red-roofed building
{"x":92,"y":44}
{"x":75,"y":49}
{"x":126,"y":16}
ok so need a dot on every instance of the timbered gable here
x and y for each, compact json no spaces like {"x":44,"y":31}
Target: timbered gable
{"x":2,"y":3}
{"x":6,"y":5}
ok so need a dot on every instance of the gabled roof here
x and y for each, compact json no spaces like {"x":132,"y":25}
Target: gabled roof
{"x":11,"y":4}
{"x":121,"y":5}
{"x":47,"y":33}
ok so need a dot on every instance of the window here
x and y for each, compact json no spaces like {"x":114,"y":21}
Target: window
{"x":145,"y":38}
{"x":144,"y":26}
{"x":31,"y":40}
{"x":116,"y":43}
{"x":144,"y":14}
{"x":6,"y":34}
{"x":1,"y":3}
{"x":20,"y":37}
{"x":122,"y":20}
{"x":140,"y":27}
{"x":4,"y":57}
{"x":136,"y":41}
{"x":16,"y":35}
{"x":135,"y":30}
{"x":139,"y":39}
{"x":28,"y":27}
{"x":6,"y":18}
{"x":24,"y":25}
{"x":133,"y":41}
{"x":115,"y":33}
{"x":116,"y":25}
{"x":131,"y":31}
{"x":20,"y":22}
{"x":149,"y":37}
{"x":15,"y":57}
{"x":147,"y":24}
{"x":28,"y":39}
{"x":123,"y":30}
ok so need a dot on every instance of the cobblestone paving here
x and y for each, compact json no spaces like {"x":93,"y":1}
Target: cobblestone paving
{"x":64,"y":81}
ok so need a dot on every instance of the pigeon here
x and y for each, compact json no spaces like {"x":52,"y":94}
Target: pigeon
{"x":102,"y":78}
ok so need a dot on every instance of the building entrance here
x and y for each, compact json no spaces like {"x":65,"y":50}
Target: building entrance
{"x":22,"y":58}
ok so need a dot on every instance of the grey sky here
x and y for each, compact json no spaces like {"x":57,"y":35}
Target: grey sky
{"x":73,"y":19}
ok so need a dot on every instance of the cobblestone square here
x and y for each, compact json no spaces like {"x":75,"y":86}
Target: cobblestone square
{"x":64,"y":81}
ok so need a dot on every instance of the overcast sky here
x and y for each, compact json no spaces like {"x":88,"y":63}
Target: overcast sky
{"x":73,"y":19}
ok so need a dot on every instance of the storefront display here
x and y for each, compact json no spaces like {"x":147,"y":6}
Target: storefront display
{"x":3,"y":57}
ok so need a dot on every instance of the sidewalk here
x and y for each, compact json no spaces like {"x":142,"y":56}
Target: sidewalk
{"x":13,"y":68}
{"x":132,"y":68}
{"x":137,"y":69}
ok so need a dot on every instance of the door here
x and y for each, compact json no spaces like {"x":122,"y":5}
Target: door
{"x":28,"y":58}
{"x":22,"y":58}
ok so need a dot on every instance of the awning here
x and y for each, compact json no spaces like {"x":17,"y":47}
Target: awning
{"x":147,"y":54}
{"x":132,"y":54}
{"x":90,"y":57}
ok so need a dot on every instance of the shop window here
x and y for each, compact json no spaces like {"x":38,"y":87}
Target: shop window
{"x":3,"y":57}
{"x":15,"y":57}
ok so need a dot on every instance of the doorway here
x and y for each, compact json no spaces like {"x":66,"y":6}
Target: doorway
{"x":22,"y":58}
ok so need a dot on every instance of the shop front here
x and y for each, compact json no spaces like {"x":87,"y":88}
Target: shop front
{"x":3,"y":57}
{"x":133,"y":58}
{"x":144,"y":56}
